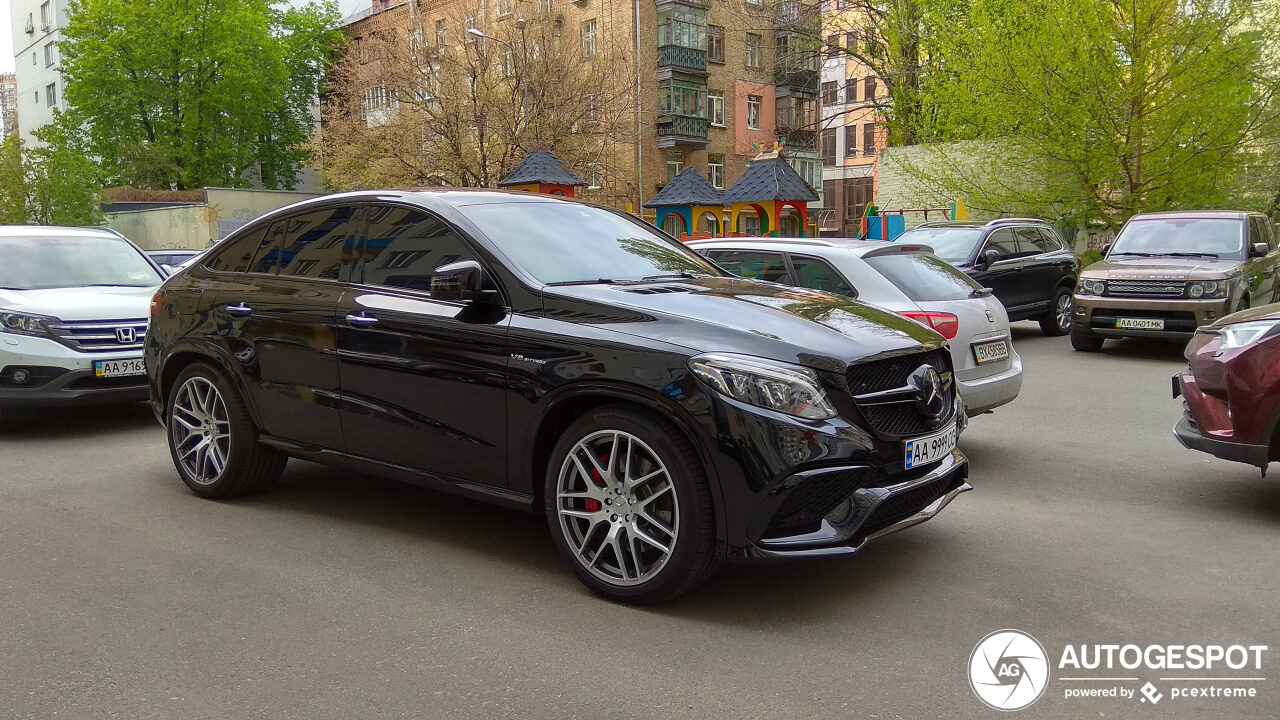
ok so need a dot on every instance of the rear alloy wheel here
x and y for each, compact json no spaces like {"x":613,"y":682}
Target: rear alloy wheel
{"x":212,"y":438}
{"x":1058,"y":320}
{"x":629,"y":507}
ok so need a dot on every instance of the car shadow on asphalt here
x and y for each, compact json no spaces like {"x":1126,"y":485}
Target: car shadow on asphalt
{"x":59,"y":423}
{"x":776,"y":595}
{"x":1142,"y":348}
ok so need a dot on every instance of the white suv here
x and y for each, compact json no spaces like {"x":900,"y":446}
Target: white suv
{"x":74,"y":306}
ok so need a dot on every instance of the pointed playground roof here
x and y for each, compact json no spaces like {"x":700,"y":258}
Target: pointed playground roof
{"x":769,"y":177}
{"x":686,"y":189}
{"x":540,"y":166}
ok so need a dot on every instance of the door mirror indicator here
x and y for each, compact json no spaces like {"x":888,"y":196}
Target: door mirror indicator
{"x":462,"y":281}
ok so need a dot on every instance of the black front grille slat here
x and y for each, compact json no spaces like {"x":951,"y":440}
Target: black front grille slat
{"x":811,"y":501}
{"x":900,"y":419}
{"x":1146,"y":288}
{"x":903,"y":505}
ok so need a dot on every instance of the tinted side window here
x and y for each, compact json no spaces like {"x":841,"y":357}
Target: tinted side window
{"x":1257,"y":233}
{"x":1049,"y":241}
{"x":751,"y":264}
{"x":1003,"y":242}
{"x":267,"y":259}
{"x":317,"y":241}
{"x":817,"y":274}
{"x":238,"y":253}
{"x":403,"y":247}
{"x":1030,"y":242}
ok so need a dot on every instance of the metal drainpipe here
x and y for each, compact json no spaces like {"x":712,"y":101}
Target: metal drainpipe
{"x":639,"y":123}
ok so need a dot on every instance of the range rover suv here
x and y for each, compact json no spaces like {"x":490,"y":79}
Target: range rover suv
{"x":1169,"y":273}
{"x":73,"y":313}
{"x":559,"y":358}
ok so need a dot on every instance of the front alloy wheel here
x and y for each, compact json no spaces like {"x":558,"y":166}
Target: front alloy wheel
{"x":617,"y":507}
{"x":200,"y":431}
{"x":629,"y":506}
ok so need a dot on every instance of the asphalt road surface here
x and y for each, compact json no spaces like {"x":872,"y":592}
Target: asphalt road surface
{"x":122,"y":595}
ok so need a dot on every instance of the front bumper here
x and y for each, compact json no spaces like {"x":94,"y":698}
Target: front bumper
{"x":1206,"y":425}
{"x":61,"y":376}
{"x":1099,"y":315}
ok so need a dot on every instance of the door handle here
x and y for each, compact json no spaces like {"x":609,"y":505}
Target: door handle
{"x":361,"y":321}
{"x":241,"y":310}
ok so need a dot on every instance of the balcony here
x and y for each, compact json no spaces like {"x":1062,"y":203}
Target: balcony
{"x":800,"y":140}
{"x":691,"y":132}
{"x":802,"y":79}
{"x":676,"y":56}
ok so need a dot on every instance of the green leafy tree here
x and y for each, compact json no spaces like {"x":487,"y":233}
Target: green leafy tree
{"x":188,"y":93}
{"x":13,"y":186}
{"x":56,"y":183}
{"x":1099,"y":109}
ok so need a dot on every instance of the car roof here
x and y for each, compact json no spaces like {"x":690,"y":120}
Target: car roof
{"x":860,"y":248}
{"x":54,"y":230}
{"x":1190,"y":214}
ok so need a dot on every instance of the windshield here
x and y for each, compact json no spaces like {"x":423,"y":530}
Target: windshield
{"x":924,"y":278}
{"x":953,"y":244}
{"x":567,"y":243}
{"x":1180,"y":236}
{"x":43,"y":262}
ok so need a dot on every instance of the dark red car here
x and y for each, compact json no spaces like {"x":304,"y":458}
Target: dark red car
{"x":1231,"y":389}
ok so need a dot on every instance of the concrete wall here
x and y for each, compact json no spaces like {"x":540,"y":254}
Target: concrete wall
{"x":199,"y":226}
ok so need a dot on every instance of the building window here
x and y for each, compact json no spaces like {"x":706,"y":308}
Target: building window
{"x":833,"y":46}
{"x":858,"y":194}
{"x":753,"y":50}
{"x":675,"y":163}
{"x":869,"y":88}
{"x":715,"y":43}
{"x":545,"y":5}
{"x":868,"y":138}
{"x":46,"y":16}
{"x":850,"y":140}
{"x":790,"y":10}
{"x":753,"y":112}
{"x":715,"y":170}
{"x":442,"y":35}
{"x":682,"y":28}
{"x":873,"y":44}
{"x":469,"y":24}
{"x":830,"y":93}
{"x":828,"y":193}
{"x":755,"y":2}
{"x":829,"y":147}
{"x":507,"y":64}
{"x":51,"y":94}
{"x":594,"y":175}
{"x":504,"y":7}
{"x":851,"y":41}
{"x":50,"y":54}
{"x":678,"y":97}
{"x":589,"y":38}
{"x":715,"y":108}
{"x":851,"y":90}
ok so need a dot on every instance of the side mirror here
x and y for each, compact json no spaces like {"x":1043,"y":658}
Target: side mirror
{"x":1106,"y":250}
{"x":167,"y":269}
{"x":989,"y":258}
{"x":462,"y":281}
{"x":1259,"y":250}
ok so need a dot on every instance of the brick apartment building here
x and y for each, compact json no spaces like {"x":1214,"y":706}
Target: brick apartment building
{"x":715,"y":80}
{"x":8,"y":104}
{"x":852,"y":134}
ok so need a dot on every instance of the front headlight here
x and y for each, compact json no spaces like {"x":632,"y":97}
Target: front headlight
{"x":1247,"y":333}
{"x":1089,"y":286}
{"x":24,"y":324}
{"x":789,"y":389}
{"x":1207,"y":289}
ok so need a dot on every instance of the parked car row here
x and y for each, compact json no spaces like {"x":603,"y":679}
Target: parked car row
{"x":667,"y":407}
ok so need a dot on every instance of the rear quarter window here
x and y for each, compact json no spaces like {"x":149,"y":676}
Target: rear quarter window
{"x":922,"y":277}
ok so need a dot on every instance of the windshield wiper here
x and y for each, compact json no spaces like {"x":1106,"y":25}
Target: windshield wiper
{"x":1137,"y":254}
{"x":597,"y":281}
{"x":682,"y":275}
{"x":1191,"y":254}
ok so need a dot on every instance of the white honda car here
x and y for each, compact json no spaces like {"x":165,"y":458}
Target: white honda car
{"x":905,"y":278}
{"x":74,"y":306}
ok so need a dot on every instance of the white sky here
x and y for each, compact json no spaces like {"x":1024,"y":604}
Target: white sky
{"x":345,"y":8}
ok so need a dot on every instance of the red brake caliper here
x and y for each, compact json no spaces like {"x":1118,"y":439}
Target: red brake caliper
{"x":591,"y":504}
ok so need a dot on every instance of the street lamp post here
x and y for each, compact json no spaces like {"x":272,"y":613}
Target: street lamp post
{"x":524,"y":65}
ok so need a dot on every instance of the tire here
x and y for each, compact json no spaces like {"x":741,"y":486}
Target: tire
{"x":1242,"y":305}
{"x":629,"y":506}
{"x":1085,"y":341}
{"x":1057,"y":321}
{"x":204,"y":410}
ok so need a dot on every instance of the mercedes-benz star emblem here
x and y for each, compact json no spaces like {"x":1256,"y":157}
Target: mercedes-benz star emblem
{"x":928,"y":384}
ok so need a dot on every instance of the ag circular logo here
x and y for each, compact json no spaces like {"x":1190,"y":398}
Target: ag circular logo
{"x":1008,"y":670}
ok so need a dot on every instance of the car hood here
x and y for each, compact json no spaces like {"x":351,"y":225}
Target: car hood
{"x":1162,"y":269}
{"x":81,"y":303}
{"x":1262,"y":312}
{"x":768,"y":320}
